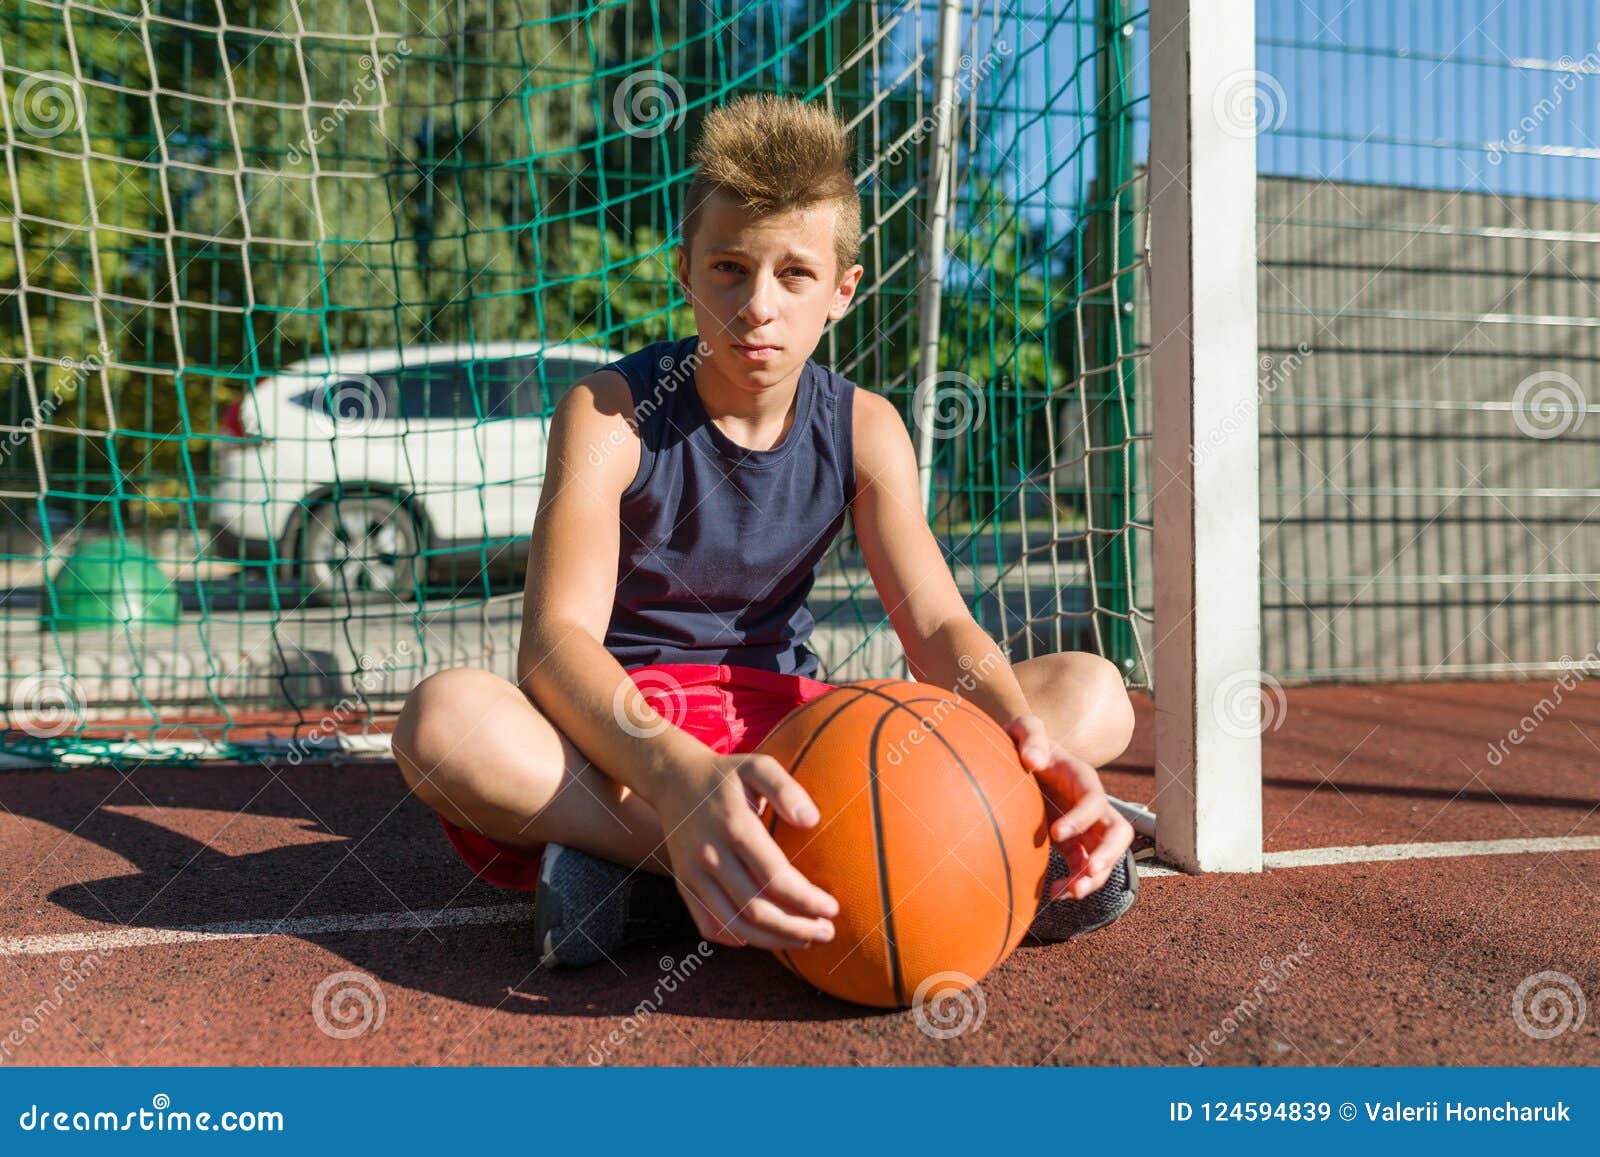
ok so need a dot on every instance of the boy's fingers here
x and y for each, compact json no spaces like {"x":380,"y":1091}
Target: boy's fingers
{"x":783,"y":790}
{"x":777,"y":878}
{"x":756,"y":921}
{"x":711,"y":926}
{"x":1098,"y":852}
{"x":1080,"y":816}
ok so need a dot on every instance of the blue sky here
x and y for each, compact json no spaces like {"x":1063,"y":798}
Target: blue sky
{"x":1406,"y":92}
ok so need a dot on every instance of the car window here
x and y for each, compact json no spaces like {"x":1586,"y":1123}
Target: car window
{"x":444,"y":390}
{"x":530,"y":386}
{"x":358,"y":398}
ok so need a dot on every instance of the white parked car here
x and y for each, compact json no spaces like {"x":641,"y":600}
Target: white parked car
{"x":367,"y":473}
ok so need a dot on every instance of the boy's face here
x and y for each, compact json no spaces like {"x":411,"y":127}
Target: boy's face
{"x":763,"y":282}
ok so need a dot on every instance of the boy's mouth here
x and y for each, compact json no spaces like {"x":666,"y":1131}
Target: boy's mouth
{"x":757,"y":353}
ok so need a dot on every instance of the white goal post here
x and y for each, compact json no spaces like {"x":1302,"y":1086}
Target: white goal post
{"x":1207,"y":544}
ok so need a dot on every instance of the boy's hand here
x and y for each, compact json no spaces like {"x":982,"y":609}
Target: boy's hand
{"x":1090,"y":834}
{"x":738,"y":884}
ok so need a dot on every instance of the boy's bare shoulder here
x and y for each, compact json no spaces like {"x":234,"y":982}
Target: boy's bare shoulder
{"x":872,"y":408}
{"x":592,"y":428}
{"x":878,"y":428}
{"x":598,"y":395}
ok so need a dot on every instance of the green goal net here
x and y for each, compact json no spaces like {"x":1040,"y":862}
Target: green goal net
{"x":287,"y":292}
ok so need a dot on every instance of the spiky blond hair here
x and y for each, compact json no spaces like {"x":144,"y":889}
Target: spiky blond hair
{"x":772,"y":155}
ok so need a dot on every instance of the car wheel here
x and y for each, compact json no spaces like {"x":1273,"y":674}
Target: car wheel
{"x":360,"y":549}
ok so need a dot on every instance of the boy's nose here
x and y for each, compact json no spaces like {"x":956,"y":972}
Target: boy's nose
{"x":758,"y":309}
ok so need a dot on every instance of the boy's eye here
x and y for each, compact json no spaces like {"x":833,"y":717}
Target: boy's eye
{"x":803,"y":272}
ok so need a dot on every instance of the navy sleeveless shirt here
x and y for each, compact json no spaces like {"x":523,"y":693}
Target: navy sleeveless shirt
{"x":721,"y":544}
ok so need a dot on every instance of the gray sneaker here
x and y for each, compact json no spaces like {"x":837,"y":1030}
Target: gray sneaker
{"x":586,"y":908}
{"x":1067,"y":919}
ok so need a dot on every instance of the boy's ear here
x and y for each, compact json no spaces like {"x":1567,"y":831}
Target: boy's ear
{"x":845,"y":294}
{"x":683,"y":267}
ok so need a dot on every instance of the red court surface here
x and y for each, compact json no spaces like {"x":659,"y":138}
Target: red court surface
{"x":196,"y":912}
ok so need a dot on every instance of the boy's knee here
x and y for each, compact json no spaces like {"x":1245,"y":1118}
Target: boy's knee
{"x":437,"y":712}
{"x":1109,"y":713}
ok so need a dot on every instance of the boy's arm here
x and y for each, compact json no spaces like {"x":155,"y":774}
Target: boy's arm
{"x":945,"y":646}
{"x":737,"y":881}
{"x":562,"y":664}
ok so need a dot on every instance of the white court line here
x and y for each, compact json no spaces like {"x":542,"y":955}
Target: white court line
{"x":509,"y":913}
{"x":246,"y":929}
{"x":1373,"y":853}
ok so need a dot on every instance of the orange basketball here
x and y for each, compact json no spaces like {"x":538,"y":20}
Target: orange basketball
{"x":933,"y":838}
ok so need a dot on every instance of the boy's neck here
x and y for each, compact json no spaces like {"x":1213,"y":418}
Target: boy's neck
{"x":756,"y":417}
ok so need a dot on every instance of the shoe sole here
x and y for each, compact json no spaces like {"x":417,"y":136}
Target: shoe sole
{"x":1131,"y":868}
{"x":547,"y":915}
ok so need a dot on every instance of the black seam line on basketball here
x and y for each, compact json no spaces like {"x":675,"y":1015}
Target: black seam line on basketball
{"x":994,"y":825}
{"x":794,"y":771}
{"x":772,"y":821}
{"x":891,"y":945}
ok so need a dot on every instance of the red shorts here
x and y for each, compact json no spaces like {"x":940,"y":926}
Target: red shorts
{"x":729,"y":709}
